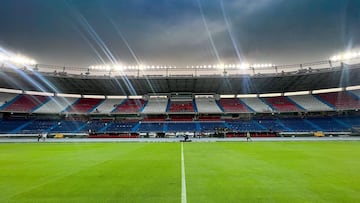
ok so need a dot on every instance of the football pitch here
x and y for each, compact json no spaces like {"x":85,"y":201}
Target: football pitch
{"x":152,"y":172}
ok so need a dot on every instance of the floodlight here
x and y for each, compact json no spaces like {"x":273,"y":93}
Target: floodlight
{"x":50,"y":94}
{"x":356,"y":87}
{"x":339,"y":89}
{"x":296,"y":93}
{"x":270,"y":95}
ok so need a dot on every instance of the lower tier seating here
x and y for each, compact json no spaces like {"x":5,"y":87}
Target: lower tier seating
{"x":312,"y":124}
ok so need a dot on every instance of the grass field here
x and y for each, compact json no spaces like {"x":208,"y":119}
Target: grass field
{"x":151,"y":172}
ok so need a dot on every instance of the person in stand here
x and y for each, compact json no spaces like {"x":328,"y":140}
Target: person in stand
{"x":248,"y":136}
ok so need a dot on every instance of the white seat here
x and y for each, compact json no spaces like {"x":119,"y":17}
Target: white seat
{"x":310,"y":103}
{"x":207,"y":105}
{"x":55,"y":105}
{"x":156,"y":106}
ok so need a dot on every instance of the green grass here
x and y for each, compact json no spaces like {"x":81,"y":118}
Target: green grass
{"x":151,"y":172}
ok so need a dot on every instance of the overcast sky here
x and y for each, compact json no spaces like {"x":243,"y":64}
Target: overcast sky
{"x":179,"y":32}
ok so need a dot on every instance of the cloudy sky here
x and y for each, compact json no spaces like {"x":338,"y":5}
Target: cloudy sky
{"x":179,"y":32}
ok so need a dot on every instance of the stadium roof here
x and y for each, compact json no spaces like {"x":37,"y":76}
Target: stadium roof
{"x":231,"y":84}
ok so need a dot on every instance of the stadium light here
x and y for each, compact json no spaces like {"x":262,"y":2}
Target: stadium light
{"x":158,"y":97}
{"x":17,"y":59}
{"x":227,"y":96}
{"x":135,"y":97}
{"x":270,"y":95}
{"x":49,"y":94}
{"x":5,"y":90}
{"x":296,"y":93}
{"x":246,"y":95}
{"x":339,"y":89}
{"x":116,"y":97}
{"x":356,"y":87}
{"x":244,"y":66}
{"x":345,"y":56}
{"x":68,"y":95}
{"x":93,"y":96}
{"x":263,"y":65}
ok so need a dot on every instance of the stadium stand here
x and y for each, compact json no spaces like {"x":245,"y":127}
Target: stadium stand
{"x":12,"y":126}
{"x":210,"y":126}
{"x":121,"y":126}
{"x":55,"y":105}
{"x":245,"y":126}
{"x":38,"y":126}
{"x":355,"y":93}
{"x":95,"y":126}
{"x":130,"y":105}
{"x":156,"y":106}
{"x":84,"y":105}
{"x":340,"y":100}
{"x":257,"y":105}
{"x":151,"y":127}
{"x":181,"y":106}
{"x":310,"y":103}
{"x":107,"y":106}
{"x":68,"y":126}
{"x":327,"y":124}
{"x":310,"y":124}
{"x":298,"y":125}
{"x":25,"y":103}
{"x":234,"y":105}
{"x":181,"y":127}
{"x":6,"y":97}
{"x":282,"y":104}
{"x":207,"y":105}
{"x":272,"y":125}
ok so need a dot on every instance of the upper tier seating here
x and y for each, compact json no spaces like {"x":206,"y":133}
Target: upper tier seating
{"x":310,"y":103}
{"x":356,"y":93}
{"x":107,"y":106}
{"x":25,"y":103}
{"x":257,"y":105}
{"x":209,"y":118}
{"x":233,"y":105}
{"x":55,"y":105}
{"x":340,"y":100}
{"x":6,"y":97}
{"x":282,"y":104}
{"x":181,"y":118}
{"x":207,"y":105}
{"x":156,"y":106}
{"x":84,"y":105}
{"x":181,"y":106}
{"x":130,"y":106}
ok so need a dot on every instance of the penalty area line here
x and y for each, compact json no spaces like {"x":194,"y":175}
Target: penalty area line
{"x":183,"y":180}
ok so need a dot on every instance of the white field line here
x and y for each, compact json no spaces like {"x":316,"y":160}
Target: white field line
{"x":183,"y":180}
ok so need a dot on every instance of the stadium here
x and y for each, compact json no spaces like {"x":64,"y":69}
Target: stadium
{"x":207,"y":131}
